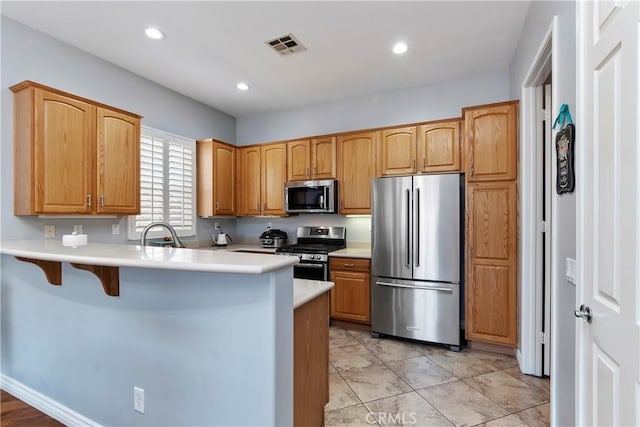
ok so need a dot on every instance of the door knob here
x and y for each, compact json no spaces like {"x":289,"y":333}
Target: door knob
{"x":584,"y":312}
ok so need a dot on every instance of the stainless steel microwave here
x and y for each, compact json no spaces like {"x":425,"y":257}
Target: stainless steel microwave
{"x":311,"y":196}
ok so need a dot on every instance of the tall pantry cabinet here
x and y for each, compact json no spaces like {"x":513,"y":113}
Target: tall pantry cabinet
{"x":491,"y":219}
{"x":73,"y":155}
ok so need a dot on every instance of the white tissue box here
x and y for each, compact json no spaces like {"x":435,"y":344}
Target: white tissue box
{"x":74,"y":239}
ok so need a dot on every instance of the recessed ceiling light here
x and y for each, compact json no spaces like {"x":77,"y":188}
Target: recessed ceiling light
{"x":154,"y":33}
{"x":242,"y":86}
{"x":399,"y":48}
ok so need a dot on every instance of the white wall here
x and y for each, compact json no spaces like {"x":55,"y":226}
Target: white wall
{"x":409,"y":105}
{"x":537,"y":23}
{"x":30,"y":55}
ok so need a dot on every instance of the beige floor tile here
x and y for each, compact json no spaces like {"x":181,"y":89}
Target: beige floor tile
{"x":359,"y":335}
{"x":536,"y":417}
{"x":354,"y":416}
{"x":340,"y":395}
{"x":421,"y":372}
{"x":542,"y":383}
{"x":374,"y":382}
{"x":331,"y":368}
{"x":508,"y":421}
{"x":339,"y":337}
{"x":406,"y":409}
{"x":354,"y":356}
{"x":462,"y":364}
{"x":506,"y":391}
{"x":389,"y":349}
{"x":461,"y":404}
{"x":498,"y":361}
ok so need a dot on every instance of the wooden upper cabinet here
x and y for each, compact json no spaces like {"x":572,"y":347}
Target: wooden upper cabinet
{"x":311,"y":159}
{"x":216,"y":178}
{"x":273,"y":166}
{"x":248,"y":184}
{"x":397,"y":151}
{"x":118,"y":179}
{"x":492,"y":262}
{"x":491,"y":142}
{"x":439,"y":147}
{"x":299,"y":160}
{"x":356,"y":169}
{"x":73,"y":155}
{"x":323,"y":157}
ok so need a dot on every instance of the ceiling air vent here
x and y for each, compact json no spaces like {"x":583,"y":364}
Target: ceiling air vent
{"x":286,"y":45}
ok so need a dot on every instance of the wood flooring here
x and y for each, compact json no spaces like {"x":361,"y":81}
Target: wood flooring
{"x":14,"y":412}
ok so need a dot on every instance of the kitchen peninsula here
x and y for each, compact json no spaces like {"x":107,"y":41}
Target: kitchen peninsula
{"x":208,"y":335}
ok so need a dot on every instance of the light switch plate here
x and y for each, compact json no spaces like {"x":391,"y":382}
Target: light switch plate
{"x":49,"y":231}
{"x":571,"y":270}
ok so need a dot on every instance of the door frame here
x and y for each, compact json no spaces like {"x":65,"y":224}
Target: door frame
{"x":531,"y":315}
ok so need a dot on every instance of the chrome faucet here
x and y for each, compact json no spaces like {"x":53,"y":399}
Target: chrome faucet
{"x":176,"y":241}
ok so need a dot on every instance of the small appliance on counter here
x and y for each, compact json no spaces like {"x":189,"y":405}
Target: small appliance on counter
{"x":220,"y":238}
{"x":273,"y":238}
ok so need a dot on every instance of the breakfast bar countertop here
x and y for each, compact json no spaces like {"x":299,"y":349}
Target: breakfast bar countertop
{"x":156,"y":257}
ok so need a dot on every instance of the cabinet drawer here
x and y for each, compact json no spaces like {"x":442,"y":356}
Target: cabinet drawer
{"x":349,"y":264}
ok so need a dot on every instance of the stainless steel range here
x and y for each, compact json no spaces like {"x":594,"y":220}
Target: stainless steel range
{"x":312,"y":248}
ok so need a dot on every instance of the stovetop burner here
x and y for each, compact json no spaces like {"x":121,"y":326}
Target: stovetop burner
{"x":309,"y":248}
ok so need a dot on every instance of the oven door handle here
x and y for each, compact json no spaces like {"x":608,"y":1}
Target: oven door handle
{"x":308,"y":265}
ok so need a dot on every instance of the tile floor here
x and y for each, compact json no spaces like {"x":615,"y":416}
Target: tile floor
{"x":393,"y":382}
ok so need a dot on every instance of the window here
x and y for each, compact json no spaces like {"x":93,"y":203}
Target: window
{"x":167,"y":185}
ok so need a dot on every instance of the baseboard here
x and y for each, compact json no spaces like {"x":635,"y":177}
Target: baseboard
{"x":45,"y":404}
{"x":490,"y":347}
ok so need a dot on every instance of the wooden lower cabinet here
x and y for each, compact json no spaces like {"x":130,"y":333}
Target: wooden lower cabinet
{"x":351,"y":296}
{"x":311,"y":361}
{"x":491,"y":286}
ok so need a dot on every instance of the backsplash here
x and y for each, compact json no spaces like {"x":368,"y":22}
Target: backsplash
{"x":248,"y":229}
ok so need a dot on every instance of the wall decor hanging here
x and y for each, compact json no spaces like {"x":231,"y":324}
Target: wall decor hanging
{"x":565,"y":140}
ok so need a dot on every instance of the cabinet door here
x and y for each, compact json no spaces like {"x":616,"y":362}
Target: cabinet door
{"x":249,"y":182}
{"x":118,"y":163}
{"x":492,"y":262}
{"x":350,"y":297}
{"x":274,"y":175}
{"x":439,"y":147}
{"x":356,"y":168}
{"x":224,"y":179}
{"x":299,"y":164}
{"x":491,"y":139}
{"x":64,"y":143}
{"x":323,"y":158}
{"x":397,"y":152}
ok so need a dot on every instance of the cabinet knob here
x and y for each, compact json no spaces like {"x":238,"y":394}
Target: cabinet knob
{"x":258,"y":206}
{"x":471,"y":169}
{"x":307,"y":171}
{"x":89,"y":200}
{"x":102,"y":200}
{"x":349,"y":265}
{"x":217,"y":204}
{"x":424,"y":163}
{"x":413,"y":163}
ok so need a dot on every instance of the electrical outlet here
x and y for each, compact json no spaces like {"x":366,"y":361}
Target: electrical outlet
{"x":216,"y":225}
{"x":77,"y":229}
{"x":268,"y":225}
{"x":49,"y":231}
{"x":570,"y":271}
{"x":138,"y":399}
{"x":115,"y":229}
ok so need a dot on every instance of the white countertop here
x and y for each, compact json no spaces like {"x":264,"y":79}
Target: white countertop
{"x":164,"y":258}
{"x":239,"y":248}
{"x":306,"y":290}
{"x":352,"y":252}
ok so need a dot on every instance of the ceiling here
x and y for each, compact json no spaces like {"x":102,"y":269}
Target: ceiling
{"x":211,"y":46}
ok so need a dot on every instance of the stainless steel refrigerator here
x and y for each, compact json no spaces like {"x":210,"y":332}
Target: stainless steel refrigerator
{"x":416,"y":257}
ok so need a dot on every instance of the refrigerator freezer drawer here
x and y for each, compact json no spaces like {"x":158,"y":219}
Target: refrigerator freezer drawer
{"x":425,"y":311}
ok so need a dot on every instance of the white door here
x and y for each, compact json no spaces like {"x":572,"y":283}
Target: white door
{"x":608,"y":194}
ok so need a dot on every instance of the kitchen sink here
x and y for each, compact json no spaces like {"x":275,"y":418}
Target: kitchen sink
{"x":252,"y":251}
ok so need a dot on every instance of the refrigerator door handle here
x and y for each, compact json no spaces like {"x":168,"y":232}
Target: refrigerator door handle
{"x":408,"y":264}
{"x":428,"y":288}
{"x":417,"y":229}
